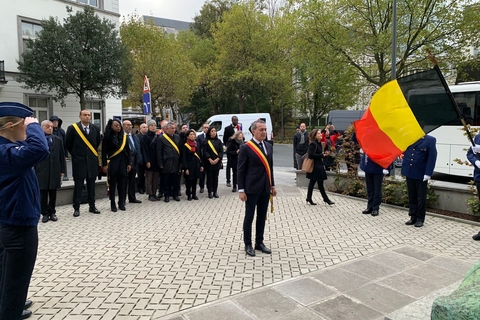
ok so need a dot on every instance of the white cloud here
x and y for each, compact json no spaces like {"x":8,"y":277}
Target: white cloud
{"x":183,"y":10}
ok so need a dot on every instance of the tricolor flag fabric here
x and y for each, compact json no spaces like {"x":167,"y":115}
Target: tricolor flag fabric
{"x":401,"y":112}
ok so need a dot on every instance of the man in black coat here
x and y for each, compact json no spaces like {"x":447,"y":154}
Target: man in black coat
{"x":50,"y":172}
{"x":58,"y":131}
{"x":227,"y":134}
{"x":255,"y":184}
{"x":200,"y":138}
{"x":168,"y":157}
{"x":135,"y":159}
{"x":82,"y":141}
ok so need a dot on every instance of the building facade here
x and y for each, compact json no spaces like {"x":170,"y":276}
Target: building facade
{"x":20,"y":20}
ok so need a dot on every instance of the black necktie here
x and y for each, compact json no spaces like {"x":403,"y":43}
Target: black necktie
{"x":132,"y":144}
{"x":261,"y":147}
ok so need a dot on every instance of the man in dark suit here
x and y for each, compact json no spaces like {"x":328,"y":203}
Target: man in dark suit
{"x":82,"y":141}
{"x":256,"y":184}
{"x":135,"y":159}
{"x":168,"y":157}
{"x":417,"y":166}
{"x":227,"y":134}
{"x":200,"y":138}
{"x":50,"y":173}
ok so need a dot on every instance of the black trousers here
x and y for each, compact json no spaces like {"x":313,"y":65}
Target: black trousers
{"x":141,"y":177}
{"x":417,"y":199}
{"x":77,"y":192}
{"x":321,"y":187}
{"x":259,"y":201}
{"x":229,"y":167}
{"x":131,"y":185}
{"x":374,"y":190}
{"x":18,"y":252}
{"x":48,"y":199}
{"x":212,"y":180}
{"x":170,"y":184}
{"x":118,"y":182}
{"x":191,"y":187}
{"x":202,"y":179}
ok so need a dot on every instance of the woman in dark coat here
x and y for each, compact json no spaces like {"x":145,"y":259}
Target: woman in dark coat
{"x":191,"y":164}
{"x":233,"y":148}
{"x":316,"y":152}
{"x":212,"y":159}
{"x":116,"y":162}
{"x":50,"y":172}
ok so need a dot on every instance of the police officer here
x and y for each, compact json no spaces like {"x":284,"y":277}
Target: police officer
{"x":417,"y":166}
{"x":22,"y":146}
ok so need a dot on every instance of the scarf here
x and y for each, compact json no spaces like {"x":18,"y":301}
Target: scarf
{"x":193,"y":145}
{"x":302,"y":137}
{"x":239,"y":142}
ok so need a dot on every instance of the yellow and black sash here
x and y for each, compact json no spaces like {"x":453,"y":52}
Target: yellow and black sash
{"x":124,"y":142}
{"x":264,"y":160}
{"x":190,"y":148}
{"x":171,"y":142}
{"x":89,"y":145}
{"x":212,"y":147}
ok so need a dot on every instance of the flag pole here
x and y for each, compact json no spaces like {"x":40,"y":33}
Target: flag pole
{"x":450,"y":95}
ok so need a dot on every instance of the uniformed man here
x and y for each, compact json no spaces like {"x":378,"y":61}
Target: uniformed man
{"x":417,"y":166}
{"x":22,"y":146}
{"x":473,"y":156}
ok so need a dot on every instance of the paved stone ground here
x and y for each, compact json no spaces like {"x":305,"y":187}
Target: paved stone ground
{"x":185,"y":260}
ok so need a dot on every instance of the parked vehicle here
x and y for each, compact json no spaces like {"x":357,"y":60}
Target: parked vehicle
{"x":342,"y":119}
{"x":220,"y":121}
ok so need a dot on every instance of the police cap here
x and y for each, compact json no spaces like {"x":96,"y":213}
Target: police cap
{"x":15,"y":109}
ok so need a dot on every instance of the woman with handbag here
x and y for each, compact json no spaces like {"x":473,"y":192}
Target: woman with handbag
{"x":318,"y":174}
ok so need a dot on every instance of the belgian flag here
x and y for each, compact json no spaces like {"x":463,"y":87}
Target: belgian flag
{"x":401,"y":112}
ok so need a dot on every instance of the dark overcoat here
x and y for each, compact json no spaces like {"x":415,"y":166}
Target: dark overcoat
{"x":191,"y":162}
{"x":84,"y":161}
{"x":315,"y":152}
{"x":48,"y":171}
{"x":208,"y":153}
{"x":167,"y":155}
{"x":118,"y":164}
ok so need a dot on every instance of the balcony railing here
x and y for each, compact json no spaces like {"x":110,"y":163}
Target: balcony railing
{"x":2,"y":70}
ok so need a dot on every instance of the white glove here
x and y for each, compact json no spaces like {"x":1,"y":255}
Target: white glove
{"x":426,"y":178}
{"x":477,"y":163}
{"x":476,"y":148}
{"x":385,"y":171}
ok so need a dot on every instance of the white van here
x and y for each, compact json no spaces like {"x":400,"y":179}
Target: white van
{"x":220,"y":121}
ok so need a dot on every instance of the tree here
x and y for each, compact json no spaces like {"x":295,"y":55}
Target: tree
{"x":84,"y":57}
{"x":360,"y":32}
{"x":173,"y":77}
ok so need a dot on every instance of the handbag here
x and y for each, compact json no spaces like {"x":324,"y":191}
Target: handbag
{"x":307,"y":165}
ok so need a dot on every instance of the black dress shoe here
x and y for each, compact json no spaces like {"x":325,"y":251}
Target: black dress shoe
{"x":419,"y":224}
{"x":53,"y":217}
{"x":367,"y":211}
{"x":202,"y":190}
{"x":45,"y":219}
{"x":167,"y":199}
{"x":122,"y":207}
{"x":152,"y":198}
{"x":410,"y":222}
{"x":210,"y":195}
{"x":26,"y":314}
{"x":476,"y":237}
{"x":113,"y":207}
{"x":28,"y":304}
{"x":194,"y":197}
{"x":249,"y":250}
{"x":216,"y":195}
{"x":228,"y":184}
{"x":94,"y":210}
{"x":141,"y":191}
{"x":160,"y":196}
{"x":176,"y":198}
{"x":135,"y":201}
{"x":329,"y":202}
{"x":189,"y":198}
{"x":76,"y":213}
{"x":262,"y":248}
{"x":375,"y":213}
{"x":234,"y":189}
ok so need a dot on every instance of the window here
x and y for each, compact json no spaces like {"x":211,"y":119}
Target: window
{"x":93,"y":3}
{"x":39,"y":105}
{"x":95,"y":107}
{"x":29,"y":31}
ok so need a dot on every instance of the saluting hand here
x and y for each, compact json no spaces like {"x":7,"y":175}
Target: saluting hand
{"x":29,"y":120}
